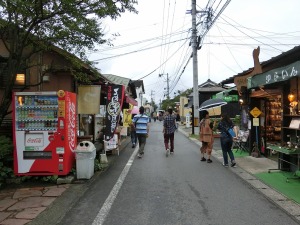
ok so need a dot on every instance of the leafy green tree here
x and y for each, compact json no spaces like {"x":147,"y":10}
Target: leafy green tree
{"x":171,"y":103}
{"x":30,"y":27}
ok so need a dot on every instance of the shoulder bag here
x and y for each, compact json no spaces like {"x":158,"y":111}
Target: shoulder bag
{"x":231,"y":132}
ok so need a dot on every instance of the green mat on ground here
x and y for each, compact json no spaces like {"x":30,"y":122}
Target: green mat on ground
{"x":239,"y":153}
{"x":277,"y":180}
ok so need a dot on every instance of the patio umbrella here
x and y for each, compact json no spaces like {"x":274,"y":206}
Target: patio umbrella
{"x":211,"y":104}
{"x":135,"y":110}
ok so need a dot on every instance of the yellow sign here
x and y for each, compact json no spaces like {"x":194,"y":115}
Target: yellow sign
{"x":130,"y":106}
{"x":61,"y":108}
{"x":255,"y":112}
{"x":126,"y":117}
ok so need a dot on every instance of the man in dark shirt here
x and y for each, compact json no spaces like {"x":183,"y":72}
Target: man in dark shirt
{"x":169,"y":129}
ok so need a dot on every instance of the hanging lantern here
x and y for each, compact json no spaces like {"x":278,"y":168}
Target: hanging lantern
{"x":291,"y":97}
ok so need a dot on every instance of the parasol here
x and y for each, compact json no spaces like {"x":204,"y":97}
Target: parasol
{"x":135,"y":110}
{"x":211,"y":104}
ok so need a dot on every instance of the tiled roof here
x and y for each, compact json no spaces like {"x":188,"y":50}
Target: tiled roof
{"x":117,"y":79}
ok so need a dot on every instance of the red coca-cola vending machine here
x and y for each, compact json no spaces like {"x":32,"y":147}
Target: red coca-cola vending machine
{"x":44,"y":126}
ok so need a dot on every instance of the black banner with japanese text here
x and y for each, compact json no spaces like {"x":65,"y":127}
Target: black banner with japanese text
{"x":115,"y":97}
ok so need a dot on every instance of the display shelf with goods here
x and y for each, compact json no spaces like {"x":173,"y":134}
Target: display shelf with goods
{"x":288,"y":158}
{"x":291,"y":119}
{"x":44,"y":132}
{"x":273,"y":121}
{"x":291,"y":115}
{"x":34,"y":113}
{"x":291,"y":130}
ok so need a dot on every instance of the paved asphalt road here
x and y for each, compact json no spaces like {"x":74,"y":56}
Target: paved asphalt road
{"x":178,"y":189}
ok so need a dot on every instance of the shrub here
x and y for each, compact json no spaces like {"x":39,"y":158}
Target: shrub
{"x":6,"y":159}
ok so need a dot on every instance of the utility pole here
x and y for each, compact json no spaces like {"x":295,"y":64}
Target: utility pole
{"x":168,"y":88}
{"x":141,"y":98}
{"x":152,"y":94}
{"x":152,"y":100}
{"x":195,"y":65}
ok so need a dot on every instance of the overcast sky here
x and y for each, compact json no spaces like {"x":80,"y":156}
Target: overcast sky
{"x":156,"y":41}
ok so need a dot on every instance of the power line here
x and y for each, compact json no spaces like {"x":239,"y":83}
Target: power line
{"x":135,"y":51}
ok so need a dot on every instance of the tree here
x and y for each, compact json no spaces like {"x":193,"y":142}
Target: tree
{"x":170,"y":103}
{"x":34,"y":26}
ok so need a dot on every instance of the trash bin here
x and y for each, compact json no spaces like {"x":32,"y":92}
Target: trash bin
{"x":85,"y":155}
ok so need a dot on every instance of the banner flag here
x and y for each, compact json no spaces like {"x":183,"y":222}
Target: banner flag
{"x":126,"y":117}
{"x":114,"y":102}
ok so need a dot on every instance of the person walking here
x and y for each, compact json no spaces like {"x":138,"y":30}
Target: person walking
{"x":206,"y":137}
{"x":141,"y":124}
{"x":133,"y":133}
{"x":168,"y":131}
{"x":226,"y":139}
{"x":154,"y":116}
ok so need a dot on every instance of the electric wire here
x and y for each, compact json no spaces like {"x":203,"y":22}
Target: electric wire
{"x":227,"y":43}
{"x":229,"y":48}
{"x":139,"y":42}
{"x":164,"y":43}
{"x":135,"y":51}
{"x":160,"y":64}
{"x":250,"y":36}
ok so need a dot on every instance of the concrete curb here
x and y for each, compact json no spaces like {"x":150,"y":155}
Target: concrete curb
{"x":289,"y":206}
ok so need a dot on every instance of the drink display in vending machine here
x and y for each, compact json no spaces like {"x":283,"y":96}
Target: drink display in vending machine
{"x":44,"y":129}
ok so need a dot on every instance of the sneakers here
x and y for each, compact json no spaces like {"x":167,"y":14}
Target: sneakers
{"x":140,"y":155}
{"x":203,"y":159}
{"x":167,"y":152}
{"x":209,"y":161}
{"x":225,"y":165}
{"x":133,"y":145}
{"x":172,"y":151}
{"x":233,"y":164}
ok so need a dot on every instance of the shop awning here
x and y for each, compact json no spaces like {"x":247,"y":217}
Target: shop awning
{"x":276,"y":75}
{"x":265,"y":93}
{"x":131,"y":101}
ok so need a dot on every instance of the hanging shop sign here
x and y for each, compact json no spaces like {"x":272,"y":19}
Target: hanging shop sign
{"x":231,"y":98}
{"x":89,"y":99}
{"x":115,"y":97}
{"x":275,"y":75}
{"x":229,"y":95}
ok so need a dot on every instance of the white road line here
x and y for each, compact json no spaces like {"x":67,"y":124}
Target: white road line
{"x":102,"y":214}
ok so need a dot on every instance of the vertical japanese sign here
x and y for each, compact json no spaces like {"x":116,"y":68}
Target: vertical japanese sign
{"x":115,"y":97}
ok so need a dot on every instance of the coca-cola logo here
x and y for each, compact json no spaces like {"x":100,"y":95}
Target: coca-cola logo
{"x":34,"y":140}
{"x":72,"y":126}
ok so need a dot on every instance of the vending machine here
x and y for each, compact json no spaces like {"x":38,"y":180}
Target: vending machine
{"x":44,"y":132}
